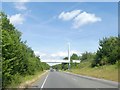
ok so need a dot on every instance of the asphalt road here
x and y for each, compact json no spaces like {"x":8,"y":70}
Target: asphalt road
{"x":64,"y":80}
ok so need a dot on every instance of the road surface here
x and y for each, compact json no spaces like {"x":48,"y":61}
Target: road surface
{"x":59,"y":79}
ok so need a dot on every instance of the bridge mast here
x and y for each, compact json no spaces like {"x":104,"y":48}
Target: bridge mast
{"x":69,"y":55}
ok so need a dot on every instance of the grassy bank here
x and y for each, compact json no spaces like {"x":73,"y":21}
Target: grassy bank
{"x":109,"y":72}
{"x":24,"y":81}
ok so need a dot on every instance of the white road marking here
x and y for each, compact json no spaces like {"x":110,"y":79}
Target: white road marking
{"x":74,"y":79}
{"x":44,"y":82}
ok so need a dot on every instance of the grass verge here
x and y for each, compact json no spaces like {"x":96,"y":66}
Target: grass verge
{"x":109,"y":72}
{"x":24,"y":82}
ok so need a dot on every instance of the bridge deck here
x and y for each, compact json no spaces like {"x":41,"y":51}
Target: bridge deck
{"x":59,"y":61}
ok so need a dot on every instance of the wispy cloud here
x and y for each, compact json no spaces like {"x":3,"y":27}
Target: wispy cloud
{"x":17,"y":19}
{"x":69,"y":15}
{"x":20,"y":6}
{"x":79,"y":18}
{"x":23,"y":0}
{"x":38,"y":53}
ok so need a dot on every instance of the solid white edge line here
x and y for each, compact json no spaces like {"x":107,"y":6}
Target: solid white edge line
{"x":44,"y":82}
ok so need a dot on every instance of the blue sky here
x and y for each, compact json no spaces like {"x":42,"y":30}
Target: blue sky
{"x":48,"y":27}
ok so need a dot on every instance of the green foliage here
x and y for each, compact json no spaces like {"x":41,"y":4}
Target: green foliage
{"x":74,"y":57}
{"x":58,"y":66}
{"x":66,"y":58}
{"x":17,"y":58}
{"x":64,"y":66}
{"x":87,"y":56}
{"x":45,"y":66}
{"x":108,"y":52}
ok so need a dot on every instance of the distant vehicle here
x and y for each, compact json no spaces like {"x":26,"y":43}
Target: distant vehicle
{"x":51,"y":70}
{"x":57,"y":69}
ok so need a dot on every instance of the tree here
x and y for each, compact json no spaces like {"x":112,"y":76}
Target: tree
{"x":66,"y":58}
{"x":73,"y":65}
{"x":17,"y":57}
{"x":108,"y":52}
{"x":87,"y":56}
{"x":74,"y":57}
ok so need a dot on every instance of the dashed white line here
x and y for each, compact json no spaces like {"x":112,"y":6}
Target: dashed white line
{"x":44,"y":82}
{"x":74,"y":79}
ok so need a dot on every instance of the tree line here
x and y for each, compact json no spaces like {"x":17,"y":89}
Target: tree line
{"x":107,"y":54}
{"x":64,"y":66}
{"x":17,"y":57}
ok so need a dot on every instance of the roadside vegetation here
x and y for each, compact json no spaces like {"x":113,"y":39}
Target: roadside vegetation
{"x":18,"y":60}
{"x":109,"y":72}
{"x":103,"y":63}
{"x":26,"y":81}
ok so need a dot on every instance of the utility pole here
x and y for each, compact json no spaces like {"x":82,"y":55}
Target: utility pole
{"x":69,"y":55}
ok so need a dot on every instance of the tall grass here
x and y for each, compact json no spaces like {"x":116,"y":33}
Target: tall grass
{"x":23,"y":81}
{"x":109,"y":72}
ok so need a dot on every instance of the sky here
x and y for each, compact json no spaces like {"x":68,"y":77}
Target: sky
{"x":48,"y":27}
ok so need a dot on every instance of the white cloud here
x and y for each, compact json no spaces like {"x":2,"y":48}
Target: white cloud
{"x":20,"y":6}
{"x":76,"y":52}
{"x":79,"y":18}
{"x":37,"y":53}
{"x":59,"y":54}
{"x":19,"y":18}
{"x":23,"y":0}
{"x":16,"y":19}
{"x":54,"y":56}
{"x":69,"y":15}
{"x":64,"y":54}
{"x":85,"y":18}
